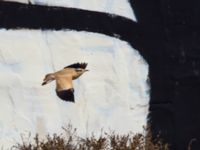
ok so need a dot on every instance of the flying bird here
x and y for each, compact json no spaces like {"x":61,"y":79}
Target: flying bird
{"x":63,"y":78}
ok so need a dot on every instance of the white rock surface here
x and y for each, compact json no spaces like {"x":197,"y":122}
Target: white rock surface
{"x":118,"y":7}
{"x":112,"y":95}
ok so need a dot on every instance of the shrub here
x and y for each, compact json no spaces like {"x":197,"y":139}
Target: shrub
{"x":70,"y":141}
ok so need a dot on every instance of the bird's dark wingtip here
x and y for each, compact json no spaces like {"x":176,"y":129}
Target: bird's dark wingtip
{"x":81,"y":65}
{"x":66,"y":95}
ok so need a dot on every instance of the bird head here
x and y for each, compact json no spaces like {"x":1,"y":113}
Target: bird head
{"x":48,"y":78}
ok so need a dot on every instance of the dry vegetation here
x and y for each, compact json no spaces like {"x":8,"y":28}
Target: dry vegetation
{"x":70,"y":141}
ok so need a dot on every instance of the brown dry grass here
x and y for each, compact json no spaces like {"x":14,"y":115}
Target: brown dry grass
{"x":70,"y":141}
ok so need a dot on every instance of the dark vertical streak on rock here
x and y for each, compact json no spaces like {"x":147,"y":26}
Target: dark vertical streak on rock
{"x":174,"y":58}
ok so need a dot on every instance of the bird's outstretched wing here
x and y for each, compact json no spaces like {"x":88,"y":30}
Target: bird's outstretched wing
{"x":77,"y":65}
{"x":64,"y":88}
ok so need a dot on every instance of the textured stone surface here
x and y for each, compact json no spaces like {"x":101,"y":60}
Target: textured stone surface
{"x":118,"y":7}
{"x":112,"y":95}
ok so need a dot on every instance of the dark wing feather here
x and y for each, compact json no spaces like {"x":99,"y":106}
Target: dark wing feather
{"x":66,"y":95}
{"x":77,"y":65}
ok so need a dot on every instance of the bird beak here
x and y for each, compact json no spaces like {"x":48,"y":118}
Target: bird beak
{"x":86,"y":70}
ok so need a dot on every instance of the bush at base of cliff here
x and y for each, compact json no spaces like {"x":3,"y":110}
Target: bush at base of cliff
{"x":70,"y":141}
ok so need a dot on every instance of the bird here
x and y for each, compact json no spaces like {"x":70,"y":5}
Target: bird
{"x":63,"y":78}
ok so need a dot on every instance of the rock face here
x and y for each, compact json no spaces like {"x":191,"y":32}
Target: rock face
{"x":112,"y":95}
{"x":118,"y":7}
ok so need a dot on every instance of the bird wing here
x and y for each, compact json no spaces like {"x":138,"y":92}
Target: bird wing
{"x":77,"y":65}
{"x":66,"y":95}
{"x":63,"y":83}
{"x":64,"y":89}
